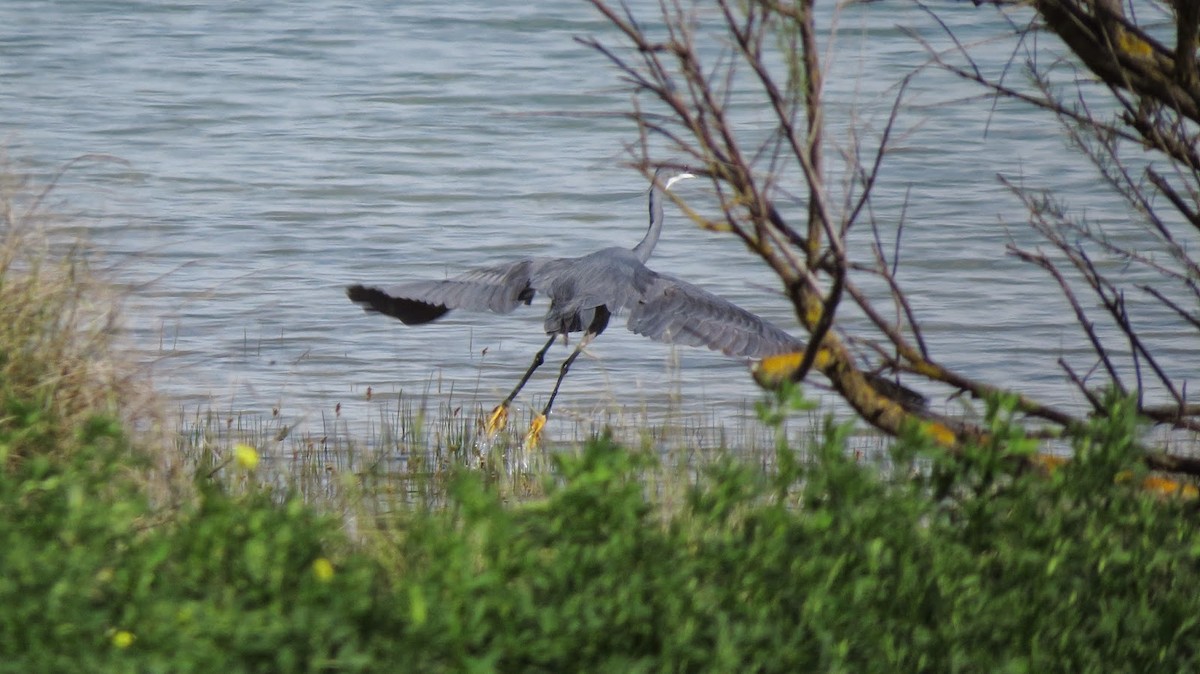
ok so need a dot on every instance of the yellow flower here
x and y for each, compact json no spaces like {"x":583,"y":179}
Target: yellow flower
{"x":939,"y":433}
{"x":322,"y":569}
{"x":246,"y":456}
{"x":1167,"y":487}
{"x":122,"y":639}
{"x":1048,"y":462}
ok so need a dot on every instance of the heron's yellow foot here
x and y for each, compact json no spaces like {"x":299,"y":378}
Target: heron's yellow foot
{"x":498,"y":419}
{"x":534,"y":436}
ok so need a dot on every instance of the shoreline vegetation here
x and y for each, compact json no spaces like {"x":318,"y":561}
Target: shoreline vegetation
{"x":130,"y":544}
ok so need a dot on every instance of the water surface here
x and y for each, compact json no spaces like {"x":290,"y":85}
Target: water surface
{"x":277,"y":151}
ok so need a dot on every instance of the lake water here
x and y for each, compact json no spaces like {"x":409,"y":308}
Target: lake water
{"x":276,"y":151}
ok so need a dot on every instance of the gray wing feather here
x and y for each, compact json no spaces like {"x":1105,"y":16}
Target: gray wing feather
{"x":677,"y":312}
{"x":499,"y":289}
{"x":611,"y":277}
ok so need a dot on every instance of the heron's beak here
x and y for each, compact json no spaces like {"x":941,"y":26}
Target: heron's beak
{"x":674,"y":179}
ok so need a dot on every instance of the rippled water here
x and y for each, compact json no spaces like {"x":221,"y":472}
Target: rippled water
{"x":277,"y":151}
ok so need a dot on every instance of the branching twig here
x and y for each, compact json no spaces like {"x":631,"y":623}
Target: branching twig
{"x":692,"y":93}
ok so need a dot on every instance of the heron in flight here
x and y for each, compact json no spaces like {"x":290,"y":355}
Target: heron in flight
{"x":585,"y":292}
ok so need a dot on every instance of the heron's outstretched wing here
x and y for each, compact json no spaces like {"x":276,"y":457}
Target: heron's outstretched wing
{"x":497,"y":289}
{"x":677,"y":312}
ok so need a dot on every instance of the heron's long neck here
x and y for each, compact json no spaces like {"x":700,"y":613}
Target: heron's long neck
{"x":646,"y":245}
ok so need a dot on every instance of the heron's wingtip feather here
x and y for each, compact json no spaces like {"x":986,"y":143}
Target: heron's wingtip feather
{"x":408,"y":311}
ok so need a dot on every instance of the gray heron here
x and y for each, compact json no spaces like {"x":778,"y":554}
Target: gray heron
{"x":585,"y":292}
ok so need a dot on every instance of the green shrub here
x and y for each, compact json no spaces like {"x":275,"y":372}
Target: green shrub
{"x":825,"y":563}
{"x":828,"y":565}
{"x":96,"y":580}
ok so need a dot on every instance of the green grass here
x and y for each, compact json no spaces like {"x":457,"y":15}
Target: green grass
{"x":123,"y":552}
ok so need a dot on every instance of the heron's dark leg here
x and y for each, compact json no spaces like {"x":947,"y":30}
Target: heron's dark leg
{"x":562,"y":372}
{"x":499,"y":416}
{"x":599,"y":322}
{"x":538,"y":359}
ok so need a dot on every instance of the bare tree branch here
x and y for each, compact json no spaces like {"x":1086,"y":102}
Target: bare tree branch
{"x":770,"y":54}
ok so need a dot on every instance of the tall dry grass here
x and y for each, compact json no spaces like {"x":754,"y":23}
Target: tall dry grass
{"x":60,"y":364}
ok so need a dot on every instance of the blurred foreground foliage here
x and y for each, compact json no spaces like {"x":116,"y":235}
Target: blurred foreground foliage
{"x":915,"y":561}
